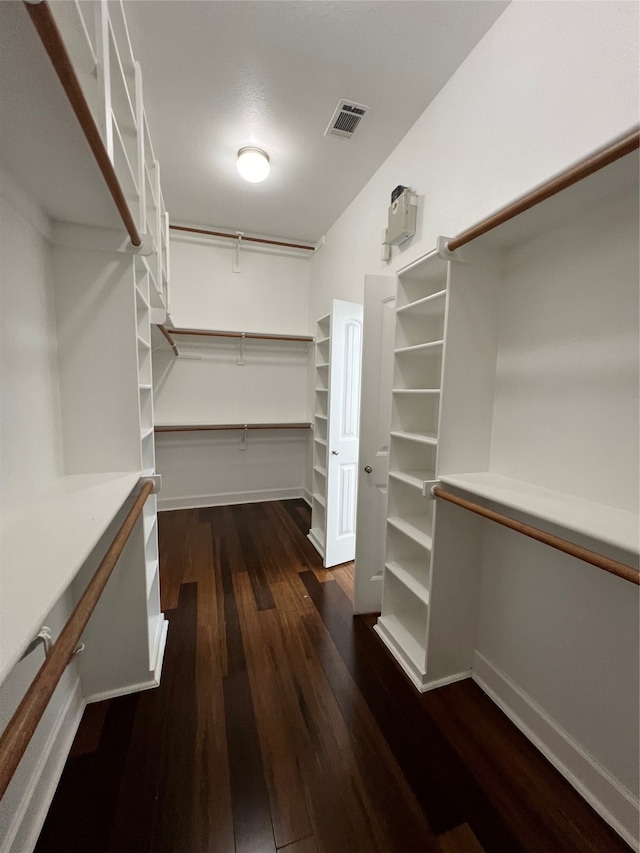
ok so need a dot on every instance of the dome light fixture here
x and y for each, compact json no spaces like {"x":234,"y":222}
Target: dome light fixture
{"x":253,"y":164}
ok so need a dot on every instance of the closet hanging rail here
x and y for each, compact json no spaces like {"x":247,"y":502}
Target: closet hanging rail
{"x":245,"y":239}
{"x":167,"y":335}
{"x":606,"y":563}
{"x":582,"y":170}
{"x":203,"y":427}
{"x":212,"y":333}
{"x":47,"y":29}
{"x":15,"y":738}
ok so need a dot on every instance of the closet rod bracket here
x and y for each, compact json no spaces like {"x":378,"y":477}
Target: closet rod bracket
{"x":155,"y":480}
{"x":146,"y":247}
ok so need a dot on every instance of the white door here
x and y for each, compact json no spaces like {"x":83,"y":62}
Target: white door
{"x":344,"y":428}
{"x":375,"y":419}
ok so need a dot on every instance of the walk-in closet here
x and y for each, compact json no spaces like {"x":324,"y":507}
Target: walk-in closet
{"x":319,"y":426}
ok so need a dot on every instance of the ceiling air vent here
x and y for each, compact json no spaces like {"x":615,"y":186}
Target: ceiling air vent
{"x":346,"y":119}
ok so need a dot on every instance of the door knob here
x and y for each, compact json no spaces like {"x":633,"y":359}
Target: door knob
{"x":368,"y":469}
{"x":336,"y":452}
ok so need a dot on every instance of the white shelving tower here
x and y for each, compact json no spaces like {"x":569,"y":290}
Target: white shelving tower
{"x":420,"y":323}
{"x":317,"y":534}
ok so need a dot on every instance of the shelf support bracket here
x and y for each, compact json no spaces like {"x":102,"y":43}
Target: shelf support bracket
{"x":236,"y":256}
{"x":243,"y":440}
{"x":240,"y":360}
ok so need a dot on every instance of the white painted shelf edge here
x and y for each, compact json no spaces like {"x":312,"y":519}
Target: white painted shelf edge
{"x":425,"y":305}
{"x":413,"y":478}
{"x":408,"y":580}
{"x":603,"y":523}
{"x":36,"y":570}
{"x":415,"y":436}
{"x":420,"y":349}
{"x":409,"y":526}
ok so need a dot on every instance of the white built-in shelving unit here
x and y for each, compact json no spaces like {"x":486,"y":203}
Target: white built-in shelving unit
{"x":317,"y":533}
{"x":420,"y":323}
{"x":103,"y":295}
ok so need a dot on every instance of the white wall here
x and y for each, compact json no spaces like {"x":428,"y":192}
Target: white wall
{"x":550,"y":82}
{"x":207,"y":385}
{"x":270,"y":293}
{"x":31,"y":461}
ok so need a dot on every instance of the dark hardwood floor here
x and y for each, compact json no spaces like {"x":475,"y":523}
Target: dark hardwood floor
{"x":282,"y":724}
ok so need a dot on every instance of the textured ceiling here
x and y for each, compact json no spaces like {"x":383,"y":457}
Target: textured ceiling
{"x":220,"y":75}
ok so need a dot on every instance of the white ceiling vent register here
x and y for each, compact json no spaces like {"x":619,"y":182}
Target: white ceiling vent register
{"x":346,"y":118}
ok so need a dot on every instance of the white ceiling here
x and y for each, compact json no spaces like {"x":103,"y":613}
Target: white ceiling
{"x":220,"y":75}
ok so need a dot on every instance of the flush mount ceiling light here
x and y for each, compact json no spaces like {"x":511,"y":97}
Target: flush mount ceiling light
{"x":253,"y":164}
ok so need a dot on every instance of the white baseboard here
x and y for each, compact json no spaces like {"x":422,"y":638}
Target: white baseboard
{"x":306,"y":497}
{"x":154,"y":680}
{"x":28,"y":818}
{"x":599,"y":788}
{"x":197,"y":501}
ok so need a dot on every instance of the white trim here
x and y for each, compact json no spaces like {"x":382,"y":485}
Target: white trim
{"x":29,"y":817}
{"x":307,"y":497}
{"x":448,"y":679}
{"x":415,"y":675}
{"x":613,"y":802}
{"x":196,"y":501}
{"x":154,"y":681}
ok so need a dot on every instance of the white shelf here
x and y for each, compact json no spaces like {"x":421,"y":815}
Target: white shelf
{"x":420,"y":349}
{"x":145,"y":433}
{"x":605,"y":524}
{"x":71,"y":518}
{"x":320,"y":417}
{"x":320,"y":441}
{"x":412,"y":478}
{"x":319,"y":499}
{"x":321,"y":341}
{"x":145,"y":387}
{"x":320,"y":470}
{"x":143,"y":343}
{"x":322,"y":390}
{"x":416,"y":391}
{"x":410,"y":526}
{"x":321,"y":365}
{"x":408,"y":579}
{"x":428,"y":305}
{"x":422,"y":438}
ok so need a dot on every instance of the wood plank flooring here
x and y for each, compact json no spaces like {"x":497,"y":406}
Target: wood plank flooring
{"x":282,"y":724}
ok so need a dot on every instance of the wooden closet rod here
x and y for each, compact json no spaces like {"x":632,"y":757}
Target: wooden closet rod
{"x":212,"y":333}
{"x":602,"y":562}
{"x":244,"y":239}
{"x":16,"y":736}
{"x":202,"y":427}
{"x":582,"y":170}
{"x":167,"y":335}
{"x":47,"y":29}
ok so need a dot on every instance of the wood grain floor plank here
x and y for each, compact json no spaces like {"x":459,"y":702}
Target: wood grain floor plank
{"x":246,"y":518}
{"x":460,"y":840}
{"x":252,"y":825}
{"x":305,"y":845}
{"x":383,"y":788}
{"x":289,"y":811}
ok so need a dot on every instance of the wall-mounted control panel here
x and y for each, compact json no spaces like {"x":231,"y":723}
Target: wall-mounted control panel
{"x":402,"y":218}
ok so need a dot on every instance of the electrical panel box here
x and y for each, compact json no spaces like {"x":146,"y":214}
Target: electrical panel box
{"x":402,"y":216}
